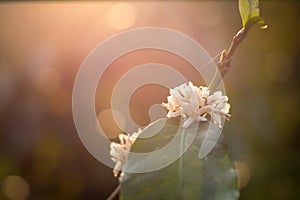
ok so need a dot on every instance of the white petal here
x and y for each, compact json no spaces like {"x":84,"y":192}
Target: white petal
{"x":226,"y":108}
{"x":117,"y":168}
{"x":205,"y":109}
{"x":216,"y":119}
{"x":188,"y":122}
{"x":201,"y":119}
{"x":173,"y":114}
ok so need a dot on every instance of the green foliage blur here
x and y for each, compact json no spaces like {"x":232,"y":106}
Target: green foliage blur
{"x":42,"y":45}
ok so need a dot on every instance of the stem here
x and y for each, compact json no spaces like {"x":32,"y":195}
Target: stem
{"x":180,"y":186}
{"x":115,"y":193}
{"x":225,"y":58}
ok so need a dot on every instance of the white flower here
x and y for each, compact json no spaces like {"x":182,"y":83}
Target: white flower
{"x":119,"y":151}
{"x":220,"y":107}
{"x":195,"y":103}
{"x":184,"y":101}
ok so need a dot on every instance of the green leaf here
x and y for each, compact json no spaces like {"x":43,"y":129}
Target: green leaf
{"x":250,"y":13}
{"x":188,"y":177}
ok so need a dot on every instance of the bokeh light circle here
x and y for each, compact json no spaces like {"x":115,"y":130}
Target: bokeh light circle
{"x":121,"y":16}
{"x":16,"y":188}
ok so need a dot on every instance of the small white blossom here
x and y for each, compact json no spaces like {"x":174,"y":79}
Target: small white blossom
{"x":220,"y":107}
{"x":119,"y":151}
{"x":195,"y":103}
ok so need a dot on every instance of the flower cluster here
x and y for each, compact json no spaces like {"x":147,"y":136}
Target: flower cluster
{"x":195,"y":103}
{"x":187,"y":100}
{"x":119,"y":151}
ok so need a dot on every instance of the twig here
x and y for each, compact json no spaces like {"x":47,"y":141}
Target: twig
{"x":225,"y":58}
{"x":114,"y":194}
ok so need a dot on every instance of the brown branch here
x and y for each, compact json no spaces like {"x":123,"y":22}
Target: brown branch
{"x":115,"y":193}
{"x":225,"y":59}
{"x":226,"y":56}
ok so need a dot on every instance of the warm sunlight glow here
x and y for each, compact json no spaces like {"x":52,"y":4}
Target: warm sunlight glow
{"x":207,"y":17}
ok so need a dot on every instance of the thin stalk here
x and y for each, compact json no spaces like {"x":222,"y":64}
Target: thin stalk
{"x":182,"y":138}
{"x":226,"y":57}
{"x":115,"y":193}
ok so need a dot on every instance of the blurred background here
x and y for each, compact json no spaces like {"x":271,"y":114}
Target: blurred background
{"x":42,"y":45}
